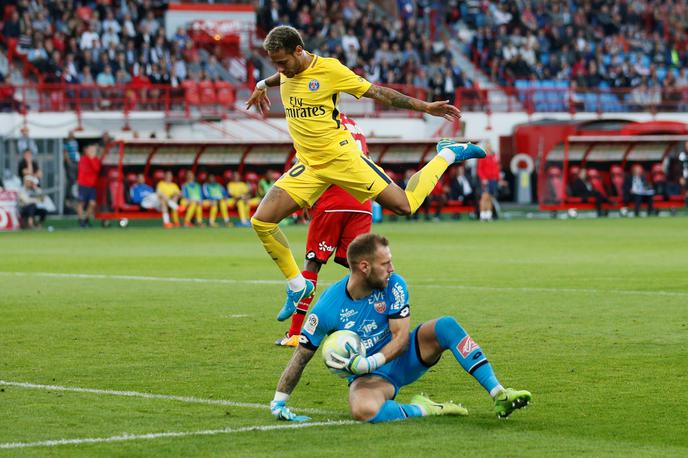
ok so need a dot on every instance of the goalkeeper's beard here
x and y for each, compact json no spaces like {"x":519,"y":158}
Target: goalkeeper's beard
{"x":376,"y":283}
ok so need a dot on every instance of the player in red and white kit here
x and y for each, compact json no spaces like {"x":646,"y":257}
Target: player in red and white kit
{"x":336,"y":219}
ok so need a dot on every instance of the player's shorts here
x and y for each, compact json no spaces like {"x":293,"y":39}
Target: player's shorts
{"x":332,"y":231}
{"x":490,"y":186}
{"x":349,"y":170}
{"x":405,"y":368}
{"x":87,"y":193}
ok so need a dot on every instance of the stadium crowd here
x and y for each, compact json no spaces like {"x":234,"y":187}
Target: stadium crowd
{"x":641,"y":44}
{"x":106,"y":43}
{"x":591,"y":44}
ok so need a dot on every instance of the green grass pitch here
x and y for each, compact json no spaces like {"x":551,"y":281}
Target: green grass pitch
{"x":590,"y":315}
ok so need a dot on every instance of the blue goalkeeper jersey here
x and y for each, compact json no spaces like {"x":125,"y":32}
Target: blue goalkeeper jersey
{"x":368,"y":317}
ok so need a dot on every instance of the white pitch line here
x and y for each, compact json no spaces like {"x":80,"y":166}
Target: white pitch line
{"x":132,"y":437}
{"x":169,"y":397}
{"x":524,"y":289}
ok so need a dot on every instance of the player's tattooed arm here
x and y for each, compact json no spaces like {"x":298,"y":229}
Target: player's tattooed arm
{"x":394,"y":98}
{"x":390,"y":97}
{"x":292,"y":373}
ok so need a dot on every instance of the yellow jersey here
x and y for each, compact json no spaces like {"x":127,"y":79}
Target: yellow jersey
{"x":310,"y":101}
{"x":236,"y":189}
{"x":168,"y":189}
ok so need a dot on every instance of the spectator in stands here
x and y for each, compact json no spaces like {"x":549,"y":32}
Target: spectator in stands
{"x":638,"y":190}
{"x":30,"y":199}
{"x":25,"y":142}
{"x":240,"y":196}
{"x":71,"y":163}
{"x":87,"y":178}
{"x":488,"y":174}
{"x":192,"y":200}
{"x":437,"y":199}
{"x":216,"y":195}
{"x":583,"y":188}
{"x":28,"y":166}
{"x":169,"y":195}
{"x":462,"y":187}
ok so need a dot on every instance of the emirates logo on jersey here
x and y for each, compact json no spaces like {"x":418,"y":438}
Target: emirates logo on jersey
{"x":467,"y":346}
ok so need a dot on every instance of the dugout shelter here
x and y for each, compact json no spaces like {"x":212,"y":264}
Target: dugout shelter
{"x":608,"y":160}
{"x":124,"y":159}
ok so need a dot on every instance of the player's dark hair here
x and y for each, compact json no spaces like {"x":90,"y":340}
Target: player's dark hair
{"x":364,"y":247}
{"x":283,"y":37}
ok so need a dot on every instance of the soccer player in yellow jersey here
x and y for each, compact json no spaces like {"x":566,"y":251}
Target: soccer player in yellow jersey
{"x":240,"y":195}
{"x":169,"y":194}
{"x":327,"y":154}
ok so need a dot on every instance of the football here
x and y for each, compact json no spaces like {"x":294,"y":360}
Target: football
{"x":336,"y":343}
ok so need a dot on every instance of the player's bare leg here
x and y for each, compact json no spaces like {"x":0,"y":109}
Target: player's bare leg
{"x":274,"y":207}
{"x":367,"y":395}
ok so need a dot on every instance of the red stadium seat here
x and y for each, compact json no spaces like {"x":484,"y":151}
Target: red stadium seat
{"x":116,"y":191}
{"x":226,"y":94}
{"x":206,"y":90}
{"x":251,"y":177}
{"x":131,"y":178}
{"x":181,"y":176}
{"x":158,"y":175}
{"x":657,"y":168}
{"x":191,"y":95}
{"x":202,"y":176}
{"x":227,"y":175}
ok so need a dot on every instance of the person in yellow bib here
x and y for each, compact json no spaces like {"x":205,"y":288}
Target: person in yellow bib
{"x":240,"y":196}
{"x":216,"y":196}
{"x":169,"y":193}
{"x":310,"y":86}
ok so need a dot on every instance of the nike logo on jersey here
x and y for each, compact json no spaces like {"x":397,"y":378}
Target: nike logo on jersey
{"x":371,"y":186}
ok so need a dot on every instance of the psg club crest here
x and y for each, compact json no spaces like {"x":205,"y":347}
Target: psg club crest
{"x":314,"y":85}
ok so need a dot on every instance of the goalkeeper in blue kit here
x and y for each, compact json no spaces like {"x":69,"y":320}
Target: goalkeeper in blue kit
{"x":372,"y":301}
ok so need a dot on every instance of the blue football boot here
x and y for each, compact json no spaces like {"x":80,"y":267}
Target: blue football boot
{"x":293,"y":298}
{"x":462,"y":151}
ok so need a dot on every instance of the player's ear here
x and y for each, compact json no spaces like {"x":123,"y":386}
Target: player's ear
{"x":298,"y":50}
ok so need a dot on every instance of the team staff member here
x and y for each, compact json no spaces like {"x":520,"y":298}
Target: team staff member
{"x":327,"y":154}
{"x":87,"y":178}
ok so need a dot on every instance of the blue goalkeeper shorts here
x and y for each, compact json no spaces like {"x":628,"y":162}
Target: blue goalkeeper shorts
{"x":405,"y":368}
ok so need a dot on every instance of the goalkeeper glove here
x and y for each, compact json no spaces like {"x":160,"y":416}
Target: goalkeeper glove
{"x":355,"y":363}
{"x":280,"y":410}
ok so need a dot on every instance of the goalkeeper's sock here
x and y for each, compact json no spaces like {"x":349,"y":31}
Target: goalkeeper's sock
{"x":470,"y":356}
{"x":166,"y":218}
{"x":302,"y":307}
{"x":422,"y":182}
{"x":393,"y":411}
{"x":276,"y":244}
